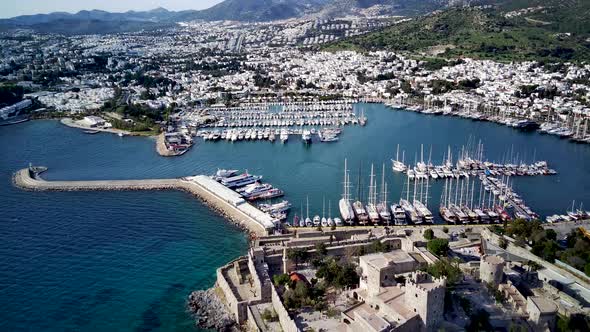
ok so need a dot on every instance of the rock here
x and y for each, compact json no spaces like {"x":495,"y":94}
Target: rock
{"x":210,"y":312}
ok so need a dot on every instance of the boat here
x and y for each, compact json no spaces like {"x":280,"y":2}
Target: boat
{"x":316,"y":220}
{"x":284,"y":136}
{"x":399,"y":166}
{"x":360,"y":213}
{"x":91,"y":132}
{"x":382,"y":207}
{"x":224,"y":173}
{"x":344,"y":205}
{"x":399,"y":215}
{"x":265,"y":194}
{"x":371,"y":207}
{"x":239,"y":180}
{"x":362,"y":118}
{"x":306,"y":136}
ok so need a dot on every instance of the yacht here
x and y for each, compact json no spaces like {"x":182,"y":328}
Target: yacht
{"x":306,"y":136}
{"x":399,"y":215}
{"x":284,"y":135}
{"x":399,"y":166}
{"x":344,"y":205}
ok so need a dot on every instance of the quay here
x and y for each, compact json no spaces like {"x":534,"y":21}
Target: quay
{"x":215,"y":195}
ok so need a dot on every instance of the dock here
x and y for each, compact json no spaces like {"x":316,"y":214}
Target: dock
{"x":215,"y":195}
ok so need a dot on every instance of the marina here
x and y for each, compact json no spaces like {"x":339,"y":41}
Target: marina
{"x":574,"y":127}
{"x":275,"y":121}
{"x":177,"y":225}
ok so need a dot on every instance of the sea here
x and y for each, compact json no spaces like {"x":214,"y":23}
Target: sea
{"x":126,"y":261}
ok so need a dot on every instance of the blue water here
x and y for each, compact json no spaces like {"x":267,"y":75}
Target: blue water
{"x":102,"y":261}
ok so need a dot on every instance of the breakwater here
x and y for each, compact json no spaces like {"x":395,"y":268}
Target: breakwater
{"x":216,"y":196}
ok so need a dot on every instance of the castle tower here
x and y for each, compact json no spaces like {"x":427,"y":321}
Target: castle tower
{"x":425,"y":295}
{"x":491,"y":269}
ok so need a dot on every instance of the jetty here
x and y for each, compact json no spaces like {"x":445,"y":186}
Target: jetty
{"x":220,"y":198}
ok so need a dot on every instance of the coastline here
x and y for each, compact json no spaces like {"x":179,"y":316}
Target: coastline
{"x":71,"y":123}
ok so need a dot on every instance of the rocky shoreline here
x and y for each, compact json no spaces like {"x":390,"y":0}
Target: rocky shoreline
{"x":210,"y":312}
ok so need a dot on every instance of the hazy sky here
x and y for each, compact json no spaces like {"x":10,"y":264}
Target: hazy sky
{"x":11,"y":8}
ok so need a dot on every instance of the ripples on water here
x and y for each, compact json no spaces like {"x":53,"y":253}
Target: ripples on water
{"x":127,"y":260}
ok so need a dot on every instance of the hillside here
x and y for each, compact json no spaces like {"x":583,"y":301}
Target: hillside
{"x":483,"y":33}
{"x":92,"y":21}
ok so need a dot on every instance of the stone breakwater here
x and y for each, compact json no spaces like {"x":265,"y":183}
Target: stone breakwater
{"x":27,"y":179}
{"x":210,"y":312}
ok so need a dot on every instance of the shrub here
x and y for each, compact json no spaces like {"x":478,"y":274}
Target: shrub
{"x":438,"y":247}
{"x":429,"y":234}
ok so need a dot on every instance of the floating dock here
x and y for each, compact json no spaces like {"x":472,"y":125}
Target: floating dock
{"x":225,"y":200}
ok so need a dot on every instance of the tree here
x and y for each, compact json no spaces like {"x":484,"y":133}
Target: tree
{"x":438,"y":247}
{"x":445,"y":268}
{"x":445,"y":230}
{"x":297,"y":255}
{"x":429,"y":234}
{"x":281,"y":279}
{"x":321,"y":250}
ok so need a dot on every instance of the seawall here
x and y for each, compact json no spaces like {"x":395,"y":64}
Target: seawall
{"x":210,"y":192}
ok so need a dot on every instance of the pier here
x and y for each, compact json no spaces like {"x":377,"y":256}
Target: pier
{"x":215,"y":195}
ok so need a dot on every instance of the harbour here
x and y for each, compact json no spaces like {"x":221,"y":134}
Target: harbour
{"x":302,"y":171}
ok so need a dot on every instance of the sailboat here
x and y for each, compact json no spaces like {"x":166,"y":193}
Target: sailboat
{"x":444,"y":210}
{"x":324,"y":221}
{"x":301,"y":220}
{"x":330,"y":221}
{"x":408,"y":207}
{"x":372,"y":206}
{"x":358,"y":208}
{"x":382,"y":207}
{"x":308,"y":222}
{"x":399,"y":166}
{"x":344,"y":204}
{"x":362,"y":118}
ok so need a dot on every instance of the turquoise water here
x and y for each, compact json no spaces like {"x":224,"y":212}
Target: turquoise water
{"x":102,"y":261}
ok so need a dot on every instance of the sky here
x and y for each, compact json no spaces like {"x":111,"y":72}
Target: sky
{"x":11,"y":8}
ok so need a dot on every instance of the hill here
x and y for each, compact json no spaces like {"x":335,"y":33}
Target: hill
{"x":490,"y":33}
{"x":91,"y":21}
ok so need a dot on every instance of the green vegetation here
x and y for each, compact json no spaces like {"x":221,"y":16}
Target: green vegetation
{"x":574,"y":323}
{"x":445,"y":268}
{"x":270,"y":315}
{"x":575,"y":252}
{"x":337,"y":274}
{"x":297,"y":255}
{"x":378,"y":246}
{"x":300,"y":294}
{"x":10,"y":94}
{"x":281,"y":279}
{"x":438,"y":247}
{"x":134,"y":117}
{"x":496,"y":293}
{"x":429,"y":234}
{"x":485,"y":34}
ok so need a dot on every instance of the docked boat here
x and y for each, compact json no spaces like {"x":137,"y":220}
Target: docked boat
{"x":306,"y":136}
{"x":224,"y":173}
{"x":344,"y":205}
{"x":397,"y":165}
{"x":360,"y":213}
{"x":399,"y":215}
{"x":284,"y":136}
{"x":239,"y":180}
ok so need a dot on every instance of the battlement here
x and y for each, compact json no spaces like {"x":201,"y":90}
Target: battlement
{"x":425,"y":282}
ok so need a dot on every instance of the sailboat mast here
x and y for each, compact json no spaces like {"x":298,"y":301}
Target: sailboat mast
{"x":461,"y":197}
{"x":426,"y":198}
